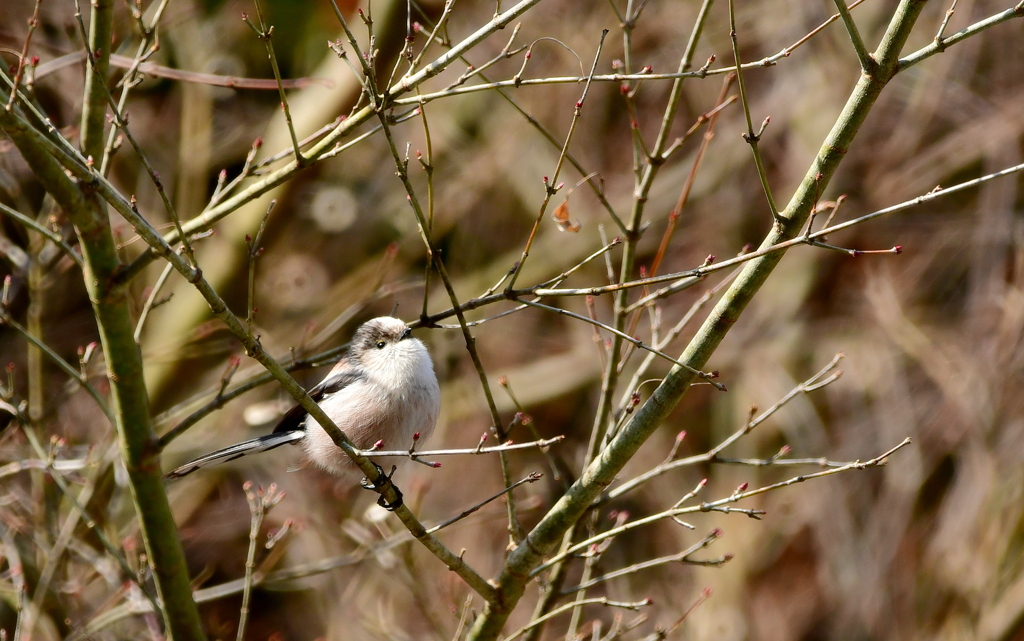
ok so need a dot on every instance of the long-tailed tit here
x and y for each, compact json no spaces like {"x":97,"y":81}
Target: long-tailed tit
{"x":383,"y":389}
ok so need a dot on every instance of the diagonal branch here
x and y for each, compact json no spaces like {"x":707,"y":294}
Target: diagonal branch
{"x":941,"y":43}
{"x":867,"y":63}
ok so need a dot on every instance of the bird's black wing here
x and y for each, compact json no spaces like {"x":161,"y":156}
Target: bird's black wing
{"x":295,"y":418}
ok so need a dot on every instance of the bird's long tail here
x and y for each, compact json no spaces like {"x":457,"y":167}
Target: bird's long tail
{"x":245,"y":448}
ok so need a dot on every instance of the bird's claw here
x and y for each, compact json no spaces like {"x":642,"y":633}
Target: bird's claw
{"x":379,"y":482}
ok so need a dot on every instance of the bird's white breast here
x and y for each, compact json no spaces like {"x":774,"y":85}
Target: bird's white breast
{"x":398,"y":397}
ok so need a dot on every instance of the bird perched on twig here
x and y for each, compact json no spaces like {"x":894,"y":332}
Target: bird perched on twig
{"x":383,"y":389}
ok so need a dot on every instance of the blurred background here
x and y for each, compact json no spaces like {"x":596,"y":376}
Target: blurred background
{"x":930,"y":546}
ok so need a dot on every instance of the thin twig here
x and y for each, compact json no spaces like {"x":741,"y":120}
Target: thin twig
{"x":506,"y":53}
{"x":614,"y":532}
{"x":635,"y":606}
{"x":147,"y":47}
{"x":59,"y":465}
{"x":33,"y":24}
{"x":266,"y":34}
{"x":160,"y":71}
{"x":681,"y":557}
{"x":660,"y":634}
{"x":867,"y":63}
{"x":50,"y":235}
{"x":945,"y":21}
{"x":615,"y":242}
{"x":55,"y":358}
{"x":711,"y":118}
{"x":529,"y":479}
{"x":260,"y":503}
{"x":506,"y":447}
{"x":816,"y":382}
{"x":709,"y":377}
{"x":150,"y":301}
{"x":445,"y":14}
{"x":939,"y":45}
{"x":764,"y":251}
{"x":551,"y":186}
{"x":718,"y":505}
{"x":750,"y":136}
{"x":763,"y":63}
{"x":552,"y":282}
{"x":255,"y":251}
{"x":17,"y":573}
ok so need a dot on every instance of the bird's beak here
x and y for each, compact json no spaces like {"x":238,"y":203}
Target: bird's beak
{"x":406,"y":334}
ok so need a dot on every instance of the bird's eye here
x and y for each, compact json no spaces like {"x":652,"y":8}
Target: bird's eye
{"x":381,"y":344}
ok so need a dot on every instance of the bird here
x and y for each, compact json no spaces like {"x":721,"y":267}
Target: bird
{"x":383,"y":389}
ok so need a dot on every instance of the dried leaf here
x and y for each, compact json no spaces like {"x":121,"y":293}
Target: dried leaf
{"x":561,"y":216}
